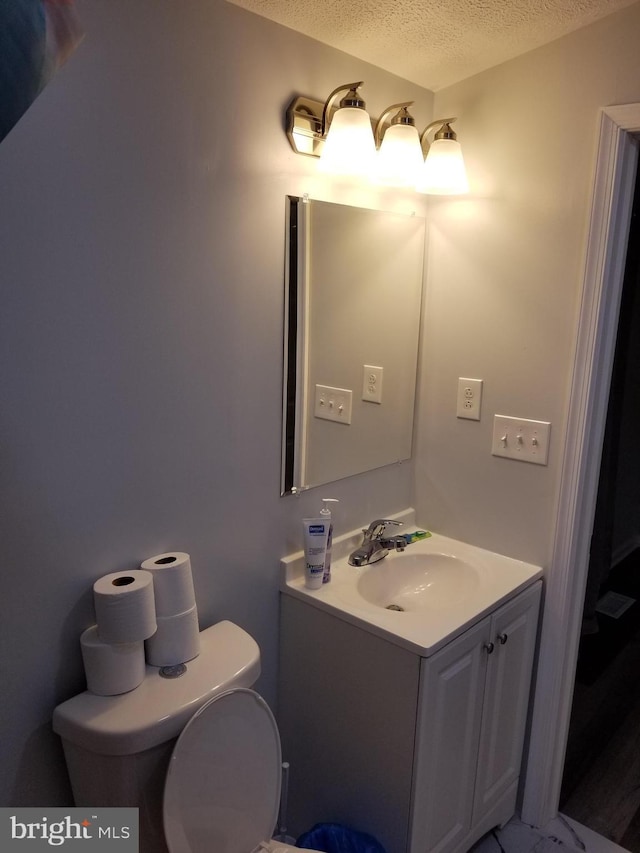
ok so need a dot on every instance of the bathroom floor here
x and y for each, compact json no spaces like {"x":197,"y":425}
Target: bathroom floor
{"x":562,"y":835}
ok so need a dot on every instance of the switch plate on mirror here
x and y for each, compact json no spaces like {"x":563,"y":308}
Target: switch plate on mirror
{"x":333,"y":404}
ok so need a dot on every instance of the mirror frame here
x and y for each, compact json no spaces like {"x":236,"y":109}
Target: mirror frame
{"x":296,"y":342}
{"x":291,"y":396}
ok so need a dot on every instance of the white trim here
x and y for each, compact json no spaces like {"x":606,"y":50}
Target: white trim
{"x":566,"y":578}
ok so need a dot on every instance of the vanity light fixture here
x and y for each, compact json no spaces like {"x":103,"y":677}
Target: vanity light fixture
{"x":342,"y":137}
{"x":400,"y":159}
{"x":444,"y":171}
{"x":349,"y":147}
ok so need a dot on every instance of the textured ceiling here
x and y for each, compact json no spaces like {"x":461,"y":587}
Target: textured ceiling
{"x":434,"y":43}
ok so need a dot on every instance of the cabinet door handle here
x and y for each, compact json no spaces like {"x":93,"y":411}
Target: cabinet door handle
{"x":502,"y":638}
{"x":488,"y":647}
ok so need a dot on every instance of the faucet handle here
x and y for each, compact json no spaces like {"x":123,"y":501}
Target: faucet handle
{"x":396,"y":543}
{"x":376,"y":528}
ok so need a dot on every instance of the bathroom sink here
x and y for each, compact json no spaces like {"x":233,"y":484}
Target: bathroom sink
{"x":420,"y":598}
{"x":418,"y":582}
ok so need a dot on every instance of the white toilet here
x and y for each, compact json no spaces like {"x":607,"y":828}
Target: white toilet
{"x":198,"y":753}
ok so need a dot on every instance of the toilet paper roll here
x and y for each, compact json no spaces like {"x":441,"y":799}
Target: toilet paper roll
{"x":125,"y":606}
{"x":177,"y":639}
{"x":172,"y":582}
{"x":111,"y":669}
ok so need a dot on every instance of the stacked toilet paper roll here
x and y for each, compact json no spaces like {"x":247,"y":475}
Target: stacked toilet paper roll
{"x":177,"y":638}
{"x":113,"y":649}
{"x":111,"y":668}
{"x":125,"y":606}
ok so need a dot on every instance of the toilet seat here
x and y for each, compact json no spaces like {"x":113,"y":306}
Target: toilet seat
{"x":222,"y":790}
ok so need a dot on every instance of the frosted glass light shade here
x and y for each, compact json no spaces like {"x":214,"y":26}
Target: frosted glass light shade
{"x":399,"y":159}
{"x":444,"y":172}
{"x":349,"y":148}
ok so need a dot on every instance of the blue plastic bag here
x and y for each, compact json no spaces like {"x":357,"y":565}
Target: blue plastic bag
{"x":333,"y":838}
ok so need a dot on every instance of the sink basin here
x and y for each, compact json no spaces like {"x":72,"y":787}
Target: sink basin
{"x":418,"y":582}
{"x":419,"y":599}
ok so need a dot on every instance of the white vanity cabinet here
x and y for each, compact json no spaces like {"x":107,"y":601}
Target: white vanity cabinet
{"x":471,"y":717}
{"x":423,"y":753}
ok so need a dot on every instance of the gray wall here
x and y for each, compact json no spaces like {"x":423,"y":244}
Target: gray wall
{"x":505,"y":279}
{"x":142,"y":245}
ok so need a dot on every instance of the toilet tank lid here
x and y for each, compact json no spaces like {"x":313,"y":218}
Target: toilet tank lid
{"x":159,"y":708}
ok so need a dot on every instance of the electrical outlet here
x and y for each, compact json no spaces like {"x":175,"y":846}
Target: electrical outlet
{"x":333,"y":404}
{"x":372,"y":383}
{"x":518,"y":438}
{"x":469,"y":398}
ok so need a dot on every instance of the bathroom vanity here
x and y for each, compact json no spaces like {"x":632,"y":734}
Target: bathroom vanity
{"x":408,"y":724}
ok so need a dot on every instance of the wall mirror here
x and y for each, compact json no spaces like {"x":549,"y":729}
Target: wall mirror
{"x":353,"y":292}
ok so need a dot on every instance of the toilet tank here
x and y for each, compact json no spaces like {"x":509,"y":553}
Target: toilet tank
{"x":117,"y":748}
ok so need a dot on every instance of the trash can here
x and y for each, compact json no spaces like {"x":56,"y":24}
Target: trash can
{"x":334,"y":838}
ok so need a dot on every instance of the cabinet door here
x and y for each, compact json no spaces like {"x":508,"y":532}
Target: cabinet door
{"x":513,"y":634}
{"x":448,"y":728}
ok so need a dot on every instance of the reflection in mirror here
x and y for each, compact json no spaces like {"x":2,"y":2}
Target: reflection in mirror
{"x":352,"y":320}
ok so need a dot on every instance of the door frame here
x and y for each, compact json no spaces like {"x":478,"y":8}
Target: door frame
{"x":612,"y":200}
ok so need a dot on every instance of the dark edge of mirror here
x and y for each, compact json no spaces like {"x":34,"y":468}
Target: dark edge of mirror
{"x":290,"y":348}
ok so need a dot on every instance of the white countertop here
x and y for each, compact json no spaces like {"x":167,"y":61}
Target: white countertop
{"x":497,"y":578}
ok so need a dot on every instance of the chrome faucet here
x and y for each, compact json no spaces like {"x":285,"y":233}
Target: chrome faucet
{"x":375,"y":544}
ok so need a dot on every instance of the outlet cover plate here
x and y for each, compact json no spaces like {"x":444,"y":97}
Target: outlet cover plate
{"x":469,"y":398}
{"x":372,"y":383}
{"x":333,"y":404}
{"x":522,"y":439}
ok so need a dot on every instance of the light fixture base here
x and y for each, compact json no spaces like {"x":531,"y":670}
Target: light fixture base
{"x":304,"y":122}
{"x":304,"y":126}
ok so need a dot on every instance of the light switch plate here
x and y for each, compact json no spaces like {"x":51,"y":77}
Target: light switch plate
{"x":333,"y":404}
{"x":518,"y":438}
